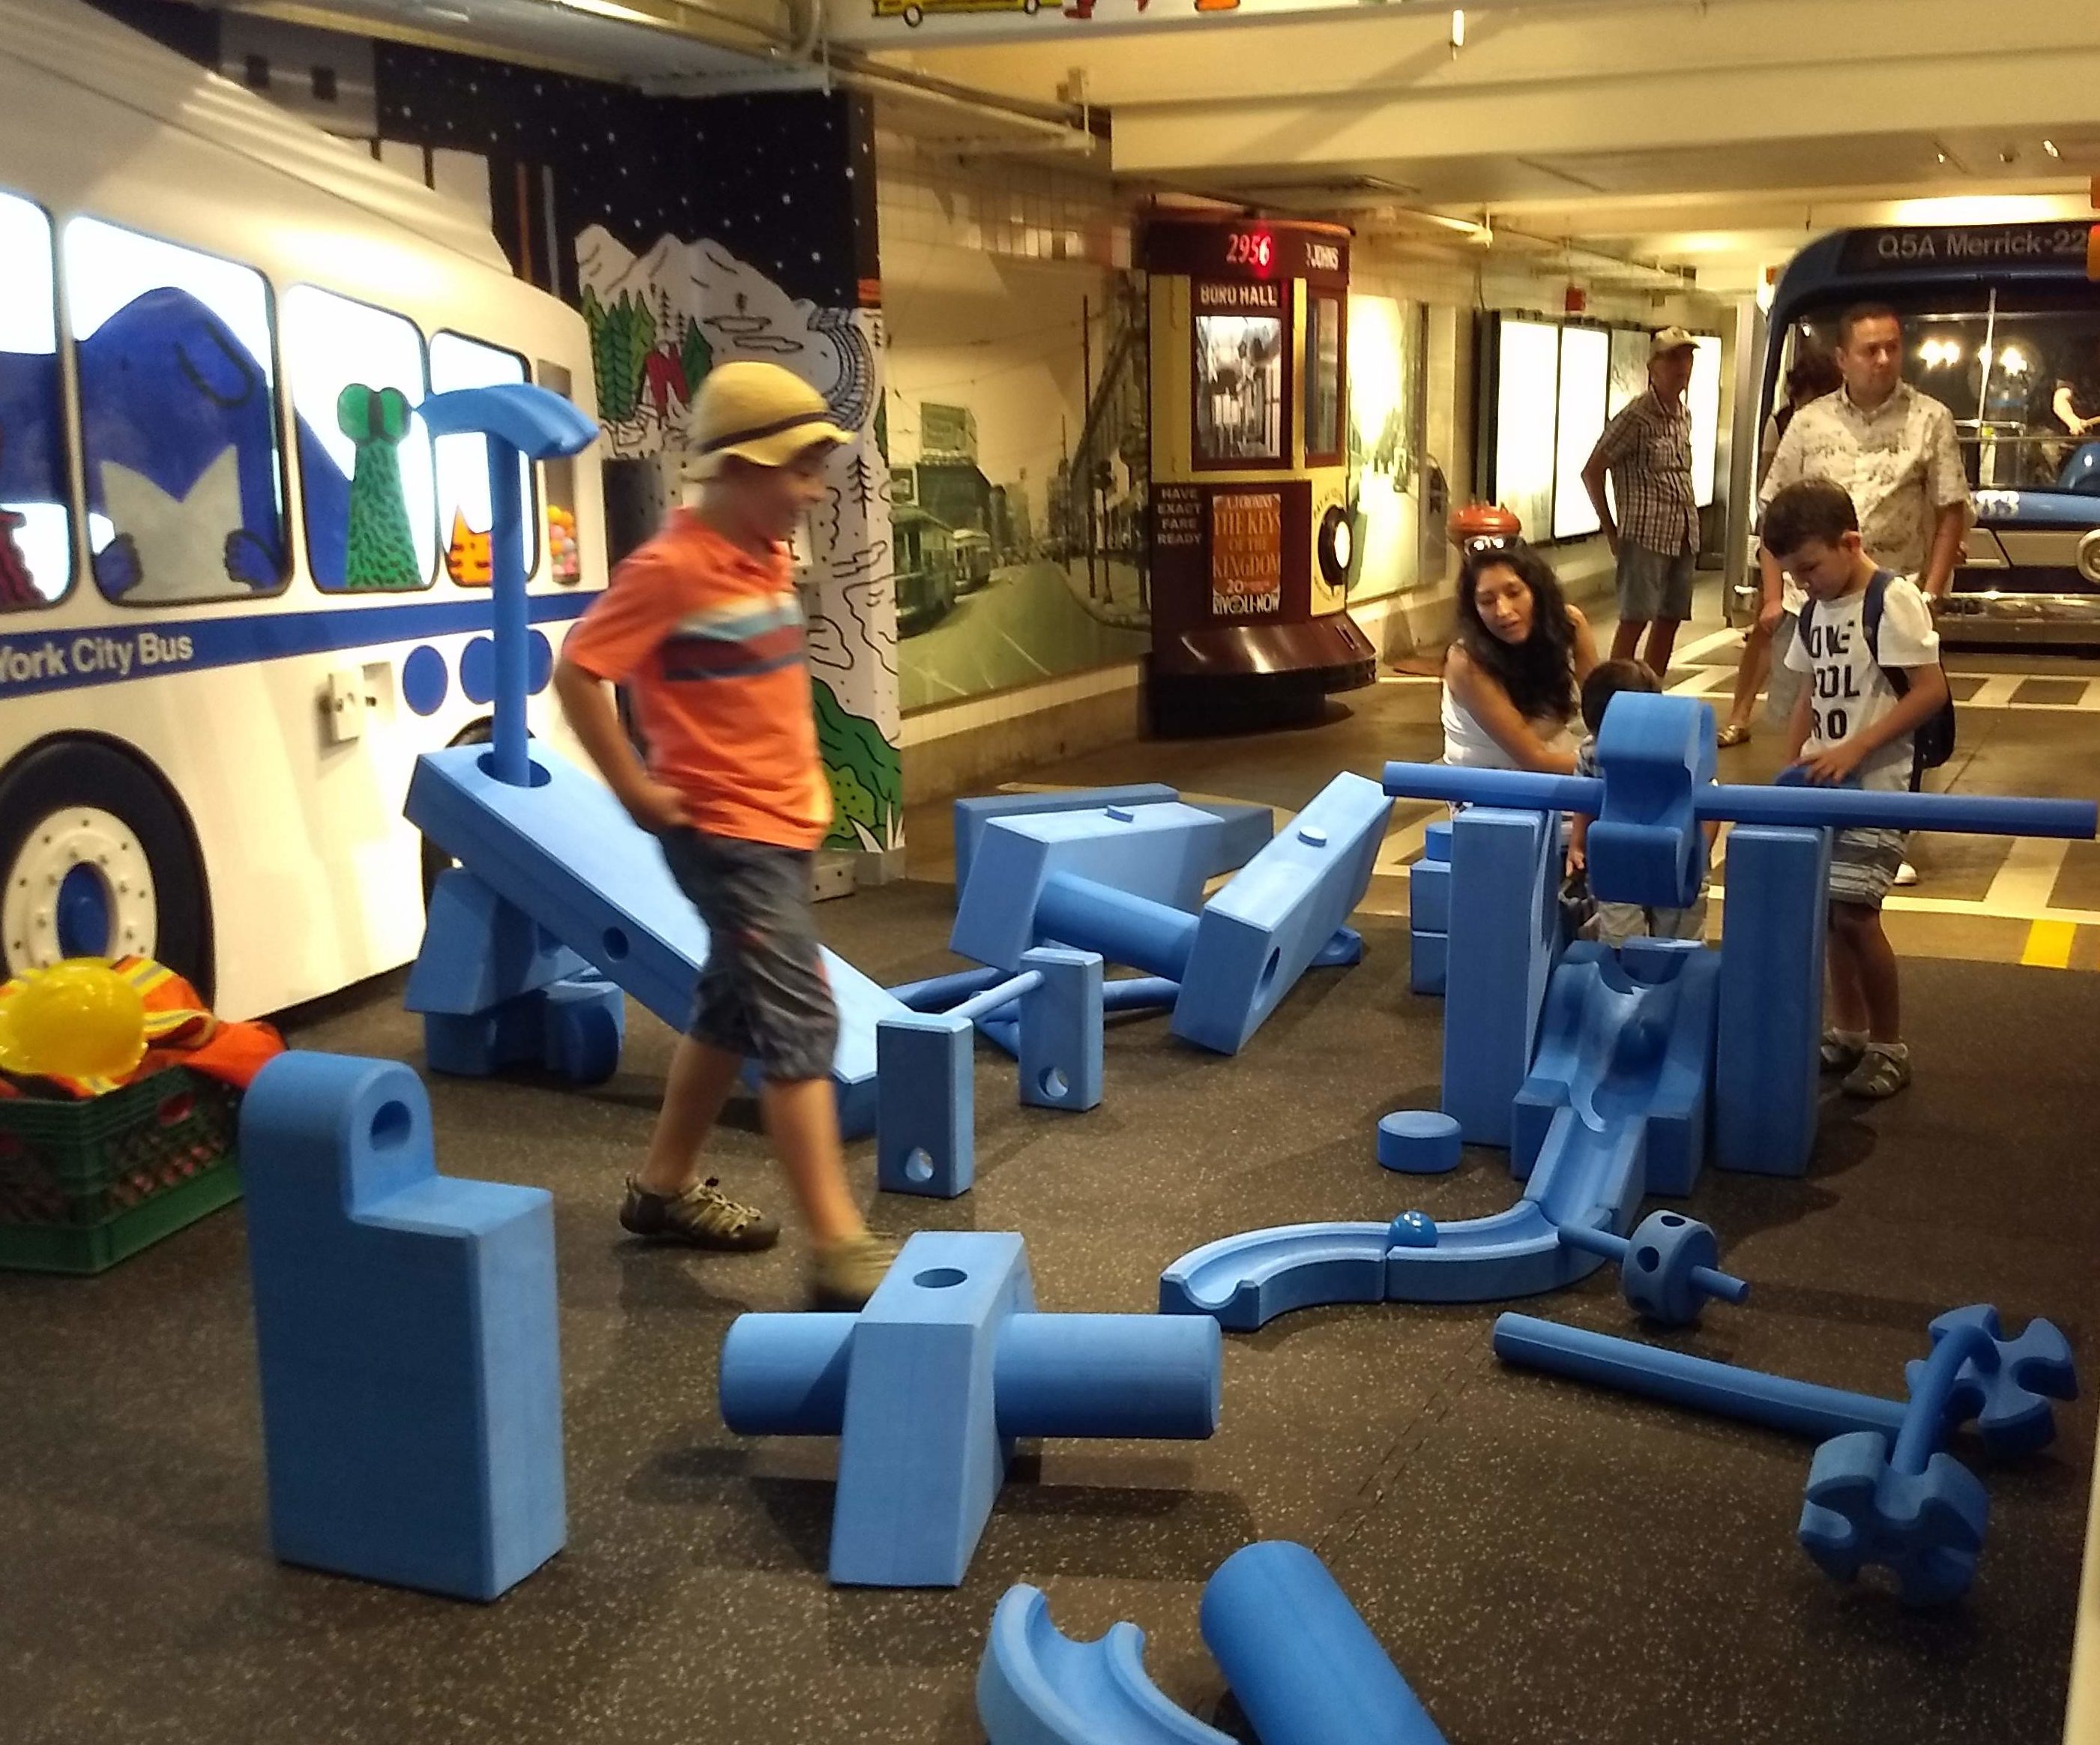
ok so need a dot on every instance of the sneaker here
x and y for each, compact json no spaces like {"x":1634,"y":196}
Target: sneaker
{"x":843,"y":1275}
{"x":702,"y":1216}
{"x":1881,"y":1072}
{"x":1906,"y":873}
{"x":1840,"y":1052}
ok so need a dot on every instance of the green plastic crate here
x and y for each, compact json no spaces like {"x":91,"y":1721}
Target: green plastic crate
{"x":84,"y":1184}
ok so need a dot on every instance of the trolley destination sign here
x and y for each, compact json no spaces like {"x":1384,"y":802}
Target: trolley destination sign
{"x":1905,"y":248}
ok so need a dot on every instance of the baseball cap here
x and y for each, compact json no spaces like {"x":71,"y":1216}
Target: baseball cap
{"x":1670,"y":339}
{"x":760,"y":413}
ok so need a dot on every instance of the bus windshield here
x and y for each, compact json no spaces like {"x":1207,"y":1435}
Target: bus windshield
{"x":2018,"y":366}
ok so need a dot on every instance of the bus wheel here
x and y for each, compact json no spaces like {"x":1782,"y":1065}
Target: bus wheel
{"x":99,"y":862}
{"x":436,"y":862}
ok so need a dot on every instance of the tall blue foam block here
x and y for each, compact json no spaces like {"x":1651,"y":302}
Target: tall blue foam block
{"x":925,"y":1127}
{"x":1505,"y":937}
{"x":1155,"y":852}
{"x":1656,"y":756}
{"x":928,"y":1386}
{"x":1765,"y":1072}
{"x":405,"y":1328}
{"x":1302,"y":1663}
{"x":1264,"y":929}
{"x":1429,"y":912}
{"x":563,"y":851}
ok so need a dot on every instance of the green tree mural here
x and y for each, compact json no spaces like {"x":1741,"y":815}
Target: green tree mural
{"x":866,"y":779}
{"x":696,"y":357}
{"x":621,"y":338}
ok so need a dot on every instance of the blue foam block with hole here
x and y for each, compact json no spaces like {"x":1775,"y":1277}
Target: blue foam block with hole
{"x":1646,"y":847}
{"x":565,"y":852}
{"x":1766,"y":1077}
{"x":925,"y":1127}
{"x":1037,"y":1686}
{"x":1505,"y":938}
{"x":1262,"y":930}
{"x":1158,"y":852}
{"x":1060,"y":1029}
{"x":406,"y":1337}
{"x":1239,"y":828}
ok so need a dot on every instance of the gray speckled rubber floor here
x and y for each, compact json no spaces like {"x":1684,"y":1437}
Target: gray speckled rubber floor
{"x":1546,"y":1564}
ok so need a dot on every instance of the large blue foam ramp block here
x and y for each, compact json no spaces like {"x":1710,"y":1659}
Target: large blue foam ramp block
{"x":564,"y":851}
{"x":1304,"y":1665}
{"x":1037,"y":1686}
{"x":405,"y":1329}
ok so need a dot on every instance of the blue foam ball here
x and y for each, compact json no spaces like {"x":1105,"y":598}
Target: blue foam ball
{"x":1411,"y":1230}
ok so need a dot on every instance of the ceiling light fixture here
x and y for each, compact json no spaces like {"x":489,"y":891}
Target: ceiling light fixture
{"x":626,"y":15}
{"x":2050,"y":146}
{"x":1458,"y":28}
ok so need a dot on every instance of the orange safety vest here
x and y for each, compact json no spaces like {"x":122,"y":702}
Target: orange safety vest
{"x":180,"y":1032}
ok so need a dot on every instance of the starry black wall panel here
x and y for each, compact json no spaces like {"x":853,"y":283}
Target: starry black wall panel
{"x":785,"y":182}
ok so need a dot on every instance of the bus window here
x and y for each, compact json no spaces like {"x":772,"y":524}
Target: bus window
{"x":365,"y":465}
{"x":464,"y":517}
{"x":178,"y":419}
{"x":35,"y":519}
{"x":565,"y":556}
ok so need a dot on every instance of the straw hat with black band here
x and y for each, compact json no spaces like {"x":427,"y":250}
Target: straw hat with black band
{"x":759,"y":412}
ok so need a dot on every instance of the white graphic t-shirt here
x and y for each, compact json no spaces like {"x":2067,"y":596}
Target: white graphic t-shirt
{"x":1851,"y":692}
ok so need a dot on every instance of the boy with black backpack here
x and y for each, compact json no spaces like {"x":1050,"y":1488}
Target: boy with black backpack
{"x":1877,"y":709}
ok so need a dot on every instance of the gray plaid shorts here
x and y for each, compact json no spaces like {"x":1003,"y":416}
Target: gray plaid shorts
{"x":763,"y":993}
{"x":1864,"y":864}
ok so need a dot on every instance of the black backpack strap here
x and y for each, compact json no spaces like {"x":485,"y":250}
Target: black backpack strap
{"x":1870,"y":622}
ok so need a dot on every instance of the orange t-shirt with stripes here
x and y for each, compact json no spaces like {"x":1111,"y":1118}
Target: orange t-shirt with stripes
{"x":707,"y":639}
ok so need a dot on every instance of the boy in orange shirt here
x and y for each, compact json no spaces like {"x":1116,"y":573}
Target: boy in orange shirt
{"x":703,"y":626}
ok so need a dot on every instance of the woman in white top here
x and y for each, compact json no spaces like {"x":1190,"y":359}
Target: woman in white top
{"x":1511,"y":674}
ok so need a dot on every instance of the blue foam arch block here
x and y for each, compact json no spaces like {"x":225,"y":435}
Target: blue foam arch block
{"x":1158,"y":852}
{"x":1505,"y":936}
{"x":1037,"y":1686}
{"x":565,"y":852}
{"x":1655,"y":755}
{"x":1298,"y":1657}
{"x":1769,"y":1006}
{"x":406,"y":1334}
{"x":1262,"y":931}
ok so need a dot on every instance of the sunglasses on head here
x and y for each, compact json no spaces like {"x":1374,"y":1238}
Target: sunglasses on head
{"x":1480,"y":542}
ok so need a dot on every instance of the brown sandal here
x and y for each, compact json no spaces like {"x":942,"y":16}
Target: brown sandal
{"x":1733,"y":734}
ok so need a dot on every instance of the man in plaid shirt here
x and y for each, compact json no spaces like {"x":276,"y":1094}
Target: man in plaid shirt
{"x":1647,"y":451}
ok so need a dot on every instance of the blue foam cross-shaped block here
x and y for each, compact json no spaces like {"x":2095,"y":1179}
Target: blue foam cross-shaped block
{"x":1926,"y":1528}
{"x":1654,"y":754}
{"x":2009,"y":1403}
{"x":405,"y":1329}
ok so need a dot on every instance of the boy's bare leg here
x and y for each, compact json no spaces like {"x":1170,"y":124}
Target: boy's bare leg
{"x":1848,"y":1000}
{"x":1625,"y":640}
{"x":701,"y":1078}
{"x":801,"y":1118}
{"x":1876,"y":961}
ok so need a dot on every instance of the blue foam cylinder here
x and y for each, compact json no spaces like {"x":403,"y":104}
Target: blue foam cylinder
{"x":1778,"y":1403}
{"x":1053,"y":1375}
{"x":1419,"y":1141}
{"x":1000,"y":994}
{"x":1122,"y":928}
{"x":1132,"y":993}
{"x":936,"y":993}
{"x":1304,"y":1667}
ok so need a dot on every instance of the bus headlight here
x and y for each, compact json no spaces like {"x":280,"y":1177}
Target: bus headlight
{"x":2089,"y":556}
{"x":1336,"y":545}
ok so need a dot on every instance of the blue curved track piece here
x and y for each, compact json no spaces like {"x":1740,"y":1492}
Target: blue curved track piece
{"x":1037,"y":1686}
{"x":1613,"y":1053}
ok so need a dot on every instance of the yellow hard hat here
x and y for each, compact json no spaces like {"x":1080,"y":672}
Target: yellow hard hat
{"x":79,"y":1019}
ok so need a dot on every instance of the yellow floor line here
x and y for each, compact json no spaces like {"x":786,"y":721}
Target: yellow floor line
{"x":2048,"y":944}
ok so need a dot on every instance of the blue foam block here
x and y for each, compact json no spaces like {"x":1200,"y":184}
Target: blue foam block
{"x":929,"y":1385}
{"x":1646,"y":847}
{"x":1926,"y":1528}
{"x":1157,"y":852}
{"x":1345,"y":950}
{"x":1427,"y":964}
{"x":1624,"y":1034}
{"x":925,"y":1127}
{"x":1770,"y":1010}
{"x":1037,"y":1686}
{"x":1429,"y":896}
{"x":1418,"y":1142}
{"x":1246,"y":1281}
{"x":1302,"y":1663}
{"x":1436,"y":840}
{"x":405,"y":1330}
{"x":1262,"y":931}
{"x":972,"y":814}
{"x":574,"y":1028}
{"x":479,"y":951}
{"x":1060,"y":1030}
{"x":1504,"y":938}
{"x":565,"y":852}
